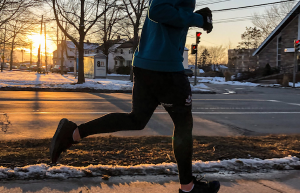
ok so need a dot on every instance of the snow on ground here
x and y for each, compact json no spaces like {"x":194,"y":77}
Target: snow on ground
{"x":25,"y":79}
{"x":118,"y":75}
{"x":221,"y":80}
{"x":42,"y":171}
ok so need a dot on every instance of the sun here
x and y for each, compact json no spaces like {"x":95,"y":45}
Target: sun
{"x":38,"y":39}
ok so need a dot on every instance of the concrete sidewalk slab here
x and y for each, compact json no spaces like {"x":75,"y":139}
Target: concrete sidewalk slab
{"x":242,"y":183}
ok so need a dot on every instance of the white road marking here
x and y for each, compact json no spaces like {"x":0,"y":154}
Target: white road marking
{"x":197,"y":113}
{"x":293,"y":104}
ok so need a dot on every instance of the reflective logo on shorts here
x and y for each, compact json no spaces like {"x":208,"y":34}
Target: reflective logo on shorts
{"x":188,"y":101}
{"x":166,"y":105}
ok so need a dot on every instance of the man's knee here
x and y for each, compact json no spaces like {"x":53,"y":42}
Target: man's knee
{"x":139,"y":121}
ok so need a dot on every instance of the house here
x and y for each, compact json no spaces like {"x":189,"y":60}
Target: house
{"x":240,"y":60}
{"x":70,"y":53}
{"x":277,"y":50}
{"x":121,"y":54}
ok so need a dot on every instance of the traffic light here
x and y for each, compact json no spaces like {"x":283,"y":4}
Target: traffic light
{"x":296,"y":45}
{"x":194,"y":49}
{"x":198,"y":34}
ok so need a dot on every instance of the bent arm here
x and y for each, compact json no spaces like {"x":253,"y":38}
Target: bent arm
{"x":165,"y":11}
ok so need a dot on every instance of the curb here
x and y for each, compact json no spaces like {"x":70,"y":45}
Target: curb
{"x":82,"y":90}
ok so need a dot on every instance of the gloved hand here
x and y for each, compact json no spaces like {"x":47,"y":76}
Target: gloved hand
{"x":207,"y":18}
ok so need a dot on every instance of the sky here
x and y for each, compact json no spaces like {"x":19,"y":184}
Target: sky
{"x":226,"y":32}
{"x":222,"y":34}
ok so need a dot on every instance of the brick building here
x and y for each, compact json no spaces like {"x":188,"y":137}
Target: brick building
{"x":278,"y":48}
{"x":240,"y":60}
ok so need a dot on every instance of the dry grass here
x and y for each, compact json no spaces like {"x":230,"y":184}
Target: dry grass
{"x":148,"y":150}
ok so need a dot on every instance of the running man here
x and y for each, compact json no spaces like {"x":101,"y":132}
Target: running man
{"x":159,"y":79}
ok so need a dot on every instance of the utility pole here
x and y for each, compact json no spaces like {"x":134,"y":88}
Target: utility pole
{"x":39,"y":51}
{"x":30,"y":53}
{"x":198,"y":34}
{"x":296,"y":46}
{"x":45,"y":47}
{"x":3,"y":49}
{"x":61,"y":55}
{"x":22,"y":54}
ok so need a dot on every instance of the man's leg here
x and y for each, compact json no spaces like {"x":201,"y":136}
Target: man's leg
{"x":143,"y":106}
{"x":183,"y":141}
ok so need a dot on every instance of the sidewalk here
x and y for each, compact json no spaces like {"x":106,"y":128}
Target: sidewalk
{"x":238,"y":183}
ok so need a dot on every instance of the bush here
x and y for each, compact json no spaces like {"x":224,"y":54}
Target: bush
{"x":267,"y":70}
{"x":123,"y":70}
{"x":227,"y":76}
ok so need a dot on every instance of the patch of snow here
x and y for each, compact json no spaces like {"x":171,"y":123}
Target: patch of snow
{"x":221,"y":80}
{"x":24,"y":79}
{"x":42,"y":171}
{"x":118,"y":75}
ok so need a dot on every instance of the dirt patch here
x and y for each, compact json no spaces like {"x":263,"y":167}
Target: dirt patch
{"x":147,"y":150}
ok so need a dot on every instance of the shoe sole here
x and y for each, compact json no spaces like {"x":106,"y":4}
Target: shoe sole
{"x":54,"y":145}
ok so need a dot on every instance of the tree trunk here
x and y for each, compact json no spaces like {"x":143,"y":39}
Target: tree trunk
{"x":11,"y":53}
{"x":81,"y":79}
{"x":135,"y":45}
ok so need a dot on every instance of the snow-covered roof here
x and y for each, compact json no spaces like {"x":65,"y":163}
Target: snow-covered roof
{"x":289,"y":17}
{"x":86,"y":46}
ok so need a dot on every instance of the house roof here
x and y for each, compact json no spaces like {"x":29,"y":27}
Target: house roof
{"x":119,"y":58}
{"x":128,"y":44}
{"x":86,"y":46}
{"x":289,"y":17}
{"x":112,"y":43}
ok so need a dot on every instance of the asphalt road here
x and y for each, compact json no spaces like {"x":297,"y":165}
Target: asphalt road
{"x":234,"y":111}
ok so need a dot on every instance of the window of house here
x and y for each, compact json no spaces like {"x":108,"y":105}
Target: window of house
{"x":279,"y":44}
{"x":121,"y":63}
{"x":86,"y":52}
{"x":121,"y":51}
{"x":116,"y":62}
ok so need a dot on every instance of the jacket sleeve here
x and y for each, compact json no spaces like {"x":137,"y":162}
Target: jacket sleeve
{"x":166,"y":12}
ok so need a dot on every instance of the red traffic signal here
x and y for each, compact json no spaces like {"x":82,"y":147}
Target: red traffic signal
{"x":198,"y":34}
{"x":296,"y":45}
{"x":194,"y":49}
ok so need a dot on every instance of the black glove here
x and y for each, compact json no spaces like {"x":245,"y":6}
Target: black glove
{"x":207,"y":18}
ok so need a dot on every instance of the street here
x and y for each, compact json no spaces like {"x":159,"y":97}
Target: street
{"x":233,"y":111}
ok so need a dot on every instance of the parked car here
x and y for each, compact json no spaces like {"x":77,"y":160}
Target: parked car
{"x":57,"y":68}
{"x":6,"y":65}
{"x":33,"y":68}
{"x":23,"y":67}
{"x":189,"y":72}
{"x":42,"y":69}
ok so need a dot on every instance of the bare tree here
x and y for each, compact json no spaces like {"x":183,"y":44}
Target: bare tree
{"x":217,"y":54}
{"x":18,"y":31}
{"x":271,"y":17}
{"x":12,"y":9}
{"x":81,"y":15}
{"x":135,"y":10}
{"x":107,"y":30}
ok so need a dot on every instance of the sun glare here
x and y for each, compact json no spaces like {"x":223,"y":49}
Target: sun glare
{"x":38,"y":39}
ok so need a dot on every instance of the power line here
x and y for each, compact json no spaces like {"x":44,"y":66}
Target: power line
{"x":209,"y":3}
{"x":250,"y":6}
